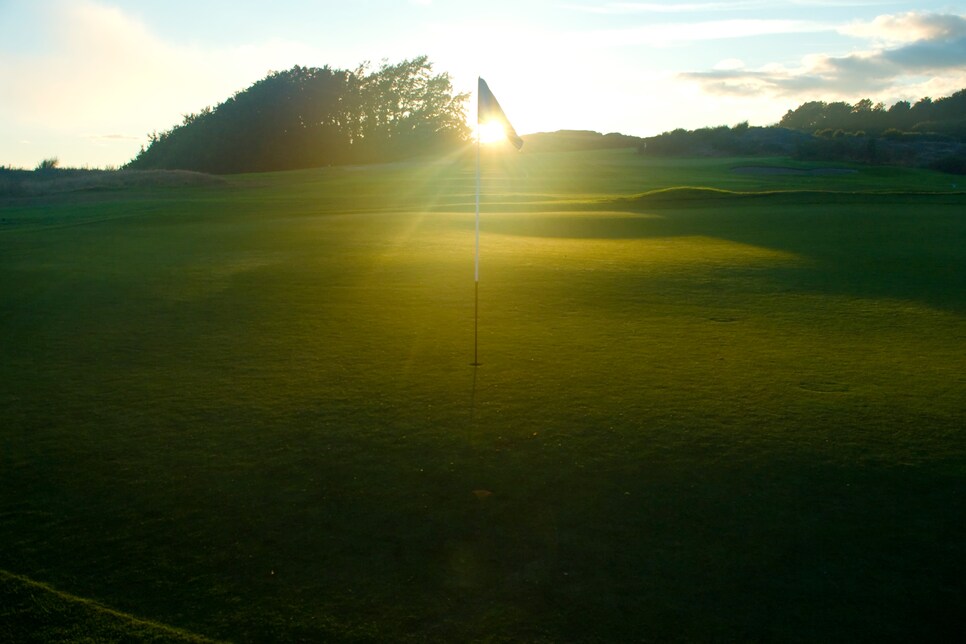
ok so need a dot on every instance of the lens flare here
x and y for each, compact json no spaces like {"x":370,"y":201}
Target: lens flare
{"x":491,"y":132}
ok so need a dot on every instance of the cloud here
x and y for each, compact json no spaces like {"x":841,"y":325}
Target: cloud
{"x":908,"y":27}
{"x":105,"y":71}
{"x":729,"y":64}
{"x":932,"y":56}
{"x":665,"y":35}
{"x":626,"y":8}
{"x":619,"y":8}
{"x":927,"y":56}
{"x":838,"y":4}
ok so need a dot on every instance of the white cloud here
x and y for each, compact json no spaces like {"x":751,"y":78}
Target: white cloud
{"x":730,"y":64}
{"x":908,"y":27}
{"x":665,"y":35}
{"x":670,"y":7}
{"x":838,"y":4}
{"x":106,"y":72}
{"x":931,"y":56}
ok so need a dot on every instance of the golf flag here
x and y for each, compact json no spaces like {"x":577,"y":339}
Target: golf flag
{"x":488,"y":109}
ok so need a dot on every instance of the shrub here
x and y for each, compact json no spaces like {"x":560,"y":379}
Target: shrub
{"x":48,"y":164}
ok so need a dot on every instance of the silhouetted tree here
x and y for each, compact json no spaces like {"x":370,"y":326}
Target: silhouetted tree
{"x":944,"y":116}
{"x":931,"y":133}
{"x":404,"y":109}
{"x":308,"y":117}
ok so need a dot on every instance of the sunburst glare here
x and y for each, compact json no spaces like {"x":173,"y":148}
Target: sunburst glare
{"x":491,"y":132}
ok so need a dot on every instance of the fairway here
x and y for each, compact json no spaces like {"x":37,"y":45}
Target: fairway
{"x":732,"y":411}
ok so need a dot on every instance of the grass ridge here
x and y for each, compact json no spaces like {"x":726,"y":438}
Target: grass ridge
{"x":679,"y":194}
{"x":54,"y":613}
{"x":24,"y":183}
{"x":701,"y":196}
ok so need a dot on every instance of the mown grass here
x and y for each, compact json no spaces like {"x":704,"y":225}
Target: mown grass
{"x":34,"y":612}
{"x":247,"y":410}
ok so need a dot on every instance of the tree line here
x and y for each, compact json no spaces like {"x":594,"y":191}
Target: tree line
{"x":929,"y":133}
{"x":315,"y":116}
{"x":945,"y":116}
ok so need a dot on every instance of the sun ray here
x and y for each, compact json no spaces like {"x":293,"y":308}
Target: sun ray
{"x":491,"y":132}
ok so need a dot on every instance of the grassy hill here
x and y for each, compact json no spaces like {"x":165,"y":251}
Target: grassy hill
{"x":732,"y":410}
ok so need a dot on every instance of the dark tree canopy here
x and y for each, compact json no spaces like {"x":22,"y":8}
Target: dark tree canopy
{"x":930,"y":134}
{"x":309,"y":117}
{"x":942,"y":116}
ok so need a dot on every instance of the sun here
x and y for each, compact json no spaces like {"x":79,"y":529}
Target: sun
{"x":491,"y":132}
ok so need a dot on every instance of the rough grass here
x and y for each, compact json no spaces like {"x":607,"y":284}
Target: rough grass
{"x":53,"y":181}
{"x":249,"y":412}
{"x":35,"y":612}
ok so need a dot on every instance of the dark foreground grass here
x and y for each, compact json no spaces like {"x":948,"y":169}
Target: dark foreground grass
{"x":34,"y":612}
{"x":247,"y":410}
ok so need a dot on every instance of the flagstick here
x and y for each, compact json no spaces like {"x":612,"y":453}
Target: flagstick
{"x":487,"y":108}
{"x":476,"y":266}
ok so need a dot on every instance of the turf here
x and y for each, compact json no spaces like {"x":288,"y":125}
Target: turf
{"x":34,"y":612}
{"x":728,"y":412}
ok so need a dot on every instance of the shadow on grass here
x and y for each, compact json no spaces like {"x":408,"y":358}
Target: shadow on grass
{"x":906,"y":246}
{"x":675,"y":543}
{"x":35,"y":612}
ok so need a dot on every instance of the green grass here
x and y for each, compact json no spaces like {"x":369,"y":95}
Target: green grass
{"x":34,"y":612}
{"x":247,"y":410}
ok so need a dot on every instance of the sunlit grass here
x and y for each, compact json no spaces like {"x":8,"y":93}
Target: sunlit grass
{"x":248,"y":411}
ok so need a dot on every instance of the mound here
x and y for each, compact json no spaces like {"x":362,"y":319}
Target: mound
{"x":687,"y":196}
{"x":21,"y":183}
{"x":770,"y":170}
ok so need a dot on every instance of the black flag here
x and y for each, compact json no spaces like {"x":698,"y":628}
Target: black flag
{"x":489,"y":110}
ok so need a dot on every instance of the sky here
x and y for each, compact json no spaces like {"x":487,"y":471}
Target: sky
{"x":86,"y":81}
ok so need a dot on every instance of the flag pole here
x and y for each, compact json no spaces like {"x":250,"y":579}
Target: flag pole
{"x":487,"y":108}
{"x":476,"y":263}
